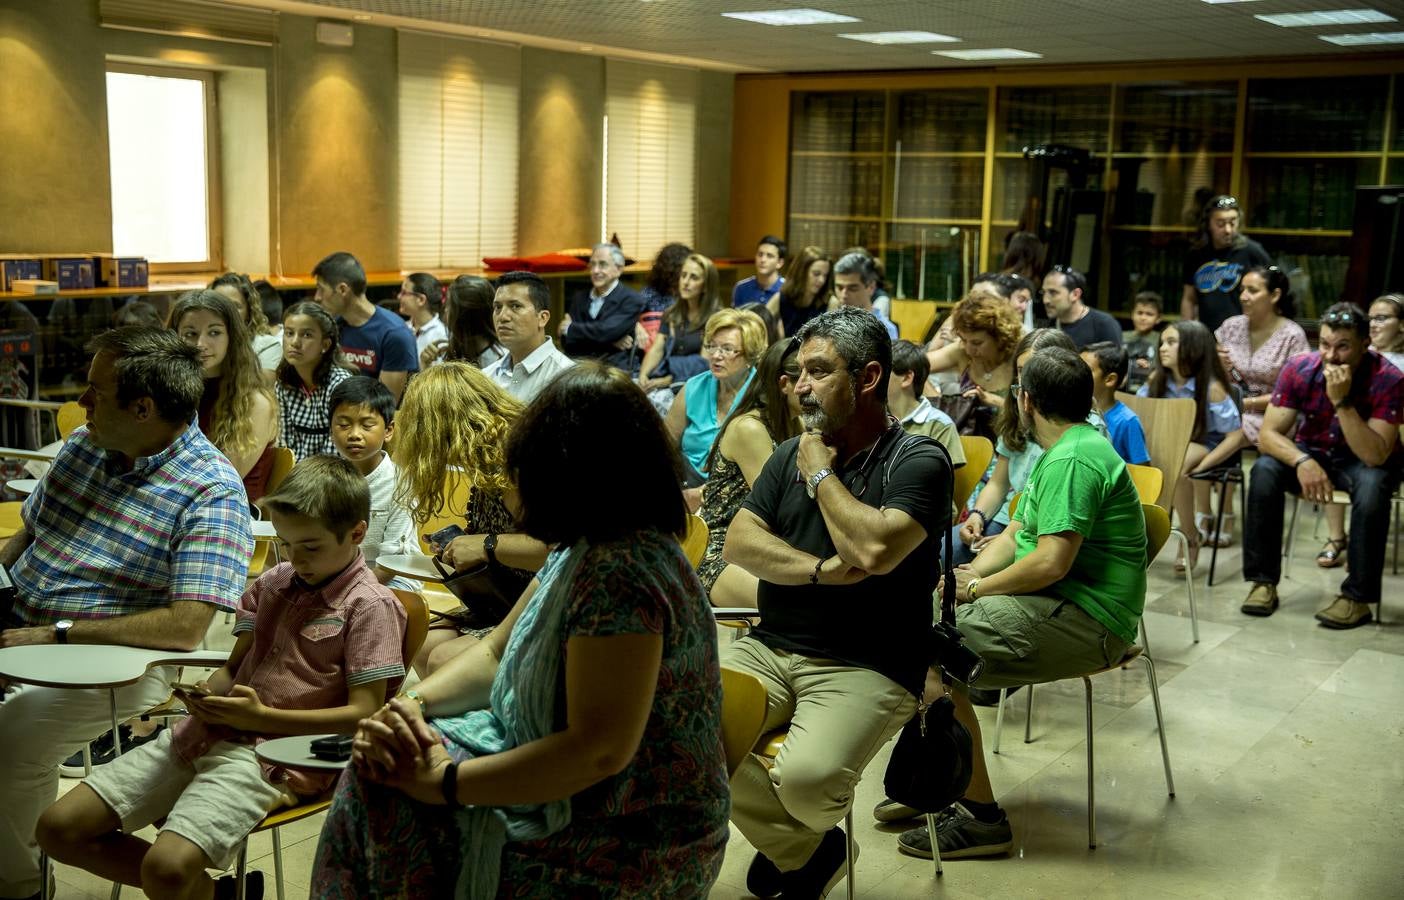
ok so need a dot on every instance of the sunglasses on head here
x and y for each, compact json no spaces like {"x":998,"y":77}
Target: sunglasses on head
{"x":1343,"y":317}
{"x":1224,"y":202}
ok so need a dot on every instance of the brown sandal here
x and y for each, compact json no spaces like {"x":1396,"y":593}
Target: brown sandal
{"x":1333,"y":554}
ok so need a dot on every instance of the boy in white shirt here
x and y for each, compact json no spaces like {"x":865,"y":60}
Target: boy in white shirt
{"x":362,"y":420}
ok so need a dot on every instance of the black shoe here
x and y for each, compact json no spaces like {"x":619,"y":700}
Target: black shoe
{"x":763,"y":879}
{"x":961,"y":836}
{"x":825,"y":868}
{"x":227,"y":888}
{"x":101,"y":750}
{"x":989,"y":697}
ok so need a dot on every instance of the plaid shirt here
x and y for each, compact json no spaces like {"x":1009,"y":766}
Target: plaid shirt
{"x":304,"y":419}
{"x":109,"y":542}
{"x":1376,"y":392}
{"x":310,"y":646}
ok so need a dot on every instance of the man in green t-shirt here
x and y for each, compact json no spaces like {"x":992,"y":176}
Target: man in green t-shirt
{"x":1059,"y":593}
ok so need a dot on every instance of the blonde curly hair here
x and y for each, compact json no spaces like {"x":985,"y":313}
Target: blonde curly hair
{"x":451,"y":427}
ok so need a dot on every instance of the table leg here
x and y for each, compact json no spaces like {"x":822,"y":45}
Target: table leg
{"x":116,"y":736}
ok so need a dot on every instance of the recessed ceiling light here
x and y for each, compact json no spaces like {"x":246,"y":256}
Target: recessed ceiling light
{"x":993,"y":53}
{"x":1358,"y":40}
{"x":1330,"y":17}
{"x":901,"y":37}
{"x":791,"y":17}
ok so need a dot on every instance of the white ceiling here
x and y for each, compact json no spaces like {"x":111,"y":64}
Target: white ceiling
{"x":1063,"y":31}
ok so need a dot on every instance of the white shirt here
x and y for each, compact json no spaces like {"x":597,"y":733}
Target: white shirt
{"x":597,"y":300}
{"x":390,"y":529}
{"x":924,"y":412}
{"x":526,"y":379}
{"x":433,"y":330}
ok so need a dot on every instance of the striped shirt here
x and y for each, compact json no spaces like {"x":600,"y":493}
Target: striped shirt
{"x":110,"y":541}
{"x":310,"y":646}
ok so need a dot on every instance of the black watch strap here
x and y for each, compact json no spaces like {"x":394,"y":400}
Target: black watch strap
{"x":449,"y":786}
{"x":490,"y":547}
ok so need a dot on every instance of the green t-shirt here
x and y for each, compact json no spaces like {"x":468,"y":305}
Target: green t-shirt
{"x":1081,"y":484}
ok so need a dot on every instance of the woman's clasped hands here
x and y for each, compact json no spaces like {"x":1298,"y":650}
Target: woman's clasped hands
{"x":397,"y":748}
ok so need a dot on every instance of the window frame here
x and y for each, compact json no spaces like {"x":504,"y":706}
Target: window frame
{"x":214,"y":253}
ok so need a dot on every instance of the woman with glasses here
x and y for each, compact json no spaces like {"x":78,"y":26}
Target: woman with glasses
{"x":767,"y":414}
{"x":676,"y":354}
{"x":732,"y":342}
{"x":1253,"y":348}
{"x":1215,"y":264}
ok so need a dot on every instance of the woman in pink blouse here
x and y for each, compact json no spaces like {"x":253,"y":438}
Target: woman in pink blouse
{"x":1253,"y":347}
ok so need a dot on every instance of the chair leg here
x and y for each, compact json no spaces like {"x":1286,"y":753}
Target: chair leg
{"x":1218,"y":530}
{"x":241,"y":865}
{"x":1189,"y":582}
{"x":45,"y":866}
{"x":1395,"y":504}
{"x":935,"y":847}
{"x":1028,"y":718}
{"x":87,"y":760}
{"x":999,"y":718}
{"x":1160,"y":725}
{"x":848,"y":838}
{"x":116,"y":733}
{"x":278,"y":859}
{"x":1091,"y":771}
{"x":1288,"y":550}
{"x":116,"y":891}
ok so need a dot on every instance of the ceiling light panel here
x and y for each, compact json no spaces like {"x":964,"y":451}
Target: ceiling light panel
{"x":1363,"y":40}
{"x":991,"y":53}
{"x":901,"y":37}
{"x":1328,"y":17}
{"x":792,"y":17}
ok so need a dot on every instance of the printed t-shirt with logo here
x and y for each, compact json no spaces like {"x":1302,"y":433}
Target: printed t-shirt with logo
{"x":1216,"y":276}
{"x":383,"y":343}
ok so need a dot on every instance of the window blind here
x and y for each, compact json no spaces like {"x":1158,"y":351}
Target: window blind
{"x":651,"y":172}
{"x":459,"y":102}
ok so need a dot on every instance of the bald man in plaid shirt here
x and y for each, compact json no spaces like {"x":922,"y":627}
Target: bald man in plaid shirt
{"x":137,"y":535}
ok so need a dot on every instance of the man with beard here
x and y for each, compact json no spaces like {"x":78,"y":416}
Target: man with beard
{"x":842,"y":529}
{"x":1060,"y":592}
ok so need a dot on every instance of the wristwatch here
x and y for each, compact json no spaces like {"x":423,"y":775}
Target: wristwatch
{"x":811,"y":487}
{"x":490,"y":547}
{"x":970,"y":588}
{"x":61,"y":630}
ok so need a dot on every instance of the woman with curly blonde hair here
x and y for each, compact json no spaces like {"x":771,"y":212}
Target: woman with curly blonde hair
{"x":451,"y":434}
{"x":238,"y":411}
{"x":988,"y":330}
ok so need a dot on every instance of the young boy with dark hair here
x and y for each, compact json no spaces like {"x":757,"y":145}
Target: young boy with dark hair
{"x":766,"y":283}
{"x":362,"y":421}
{"x":915,"y":413}
{"x":1108,"y":363}
{"x":1142,"y":343}
{"x":319,"y":647}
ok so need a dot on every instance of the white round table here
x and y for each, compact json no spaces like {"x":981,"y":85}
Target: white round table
{"x":295,"y":752}
{"x":24,"y":486}
{"x":410,"y":565}
{"x":263,"y":530}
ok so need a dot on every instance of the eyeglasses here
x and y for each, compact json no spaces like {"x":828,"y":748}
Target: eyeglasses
{"x":1380,"y":320}
{"x":721,"y":350}
{"x":1343,"y":317}
{"x":1062,"y":269}
{"x":1224,"y":202}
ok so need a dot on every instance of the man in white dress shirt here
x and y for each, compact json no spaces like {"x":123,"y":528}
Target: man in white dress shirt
{"x":520,"y":310}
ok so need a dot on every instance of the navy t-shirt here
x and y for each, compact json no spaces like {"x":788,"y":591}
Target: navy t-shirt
{"x":383,"y":343}
{"x":1216,"y":275}
{"x":882,"y":622}
{"x":1090,"y":329}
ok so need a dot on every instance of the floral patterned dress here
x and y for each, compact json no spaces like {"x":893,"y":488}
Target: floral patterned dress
{"x":722,"y":496}
{"x":1259,"y":369}
{"x":656,"y":829}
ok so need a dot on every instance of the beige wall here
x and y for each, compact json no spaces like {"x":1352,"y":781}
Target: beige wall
{"x":561,"y":150}
{"x":714,"y":95}
{"x":55,"y":187}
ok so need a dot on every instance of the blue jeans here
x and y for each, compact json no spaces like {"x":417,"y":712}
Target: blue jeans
{"x":1370,"y":489}
{"x":961,"y":550}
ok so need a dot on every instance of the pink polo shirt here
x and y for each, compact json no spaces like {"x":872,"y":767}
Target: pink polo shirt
{"x":310,"y":645}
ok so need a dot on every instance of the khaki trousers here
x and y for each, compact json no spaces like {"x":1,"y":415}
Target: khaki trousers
{"x":839,"y":717}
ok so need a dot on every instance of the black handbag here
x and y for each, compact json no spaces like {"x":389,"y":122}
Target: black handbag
{"x":931,"y":764}
{"x":971,"y":417}
{"x":487,"y":593}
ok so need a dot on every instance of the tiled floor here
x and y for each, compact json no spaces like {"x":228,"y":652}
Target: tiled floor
{"x":1285,"y":740}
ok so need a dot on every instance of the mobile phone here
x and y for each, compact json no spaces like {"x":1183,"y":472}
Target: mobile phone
{"x":193,"y":690}
{"x":333,"y":747}
{"x":442,"y":537}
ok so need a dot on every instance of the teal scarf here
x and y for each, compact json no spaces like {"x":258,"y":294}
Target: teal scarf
{"x":522,"y":710}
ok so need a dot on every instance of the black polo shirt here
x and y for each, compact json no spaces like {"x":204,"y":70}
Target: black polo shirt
{"x":882,"y":622}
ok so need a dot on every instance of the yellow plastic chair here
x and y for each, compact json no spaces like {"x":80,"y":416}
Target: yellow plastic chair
{"x":457,"y":490}
{"x":283,"y":462}
{"x":1157,"y":533}
{"x":10,"y":521}
{"x":743,"y":715}
{"x":694,"y":541}
{"x":1148,"y":480}
{"x":978,"y":453}
{"x":69,"y":417}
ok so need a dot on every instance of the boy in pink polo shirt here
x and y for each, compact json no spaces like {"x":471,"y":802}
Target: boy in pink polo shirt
{"x":319,"y":647}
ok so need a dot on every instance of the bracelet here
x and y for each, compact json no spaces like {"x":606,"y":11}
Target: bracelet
{"x":1305,"y":457}
{"x":984,"y":519}
{"x":970,"y":588}
{"x":814,"y":576}
{"x":449,"y":786}
{"x":412,"y":694}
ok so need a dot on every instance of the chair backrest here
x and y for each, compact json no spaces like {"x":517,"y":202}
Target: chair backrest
{"x":416,"y":622}
{"x":1157,"y":529}
{"x":1148,"y":480}
{"x":743,"y":714}
{"x":283,"y":462}
{"x":457,"y":492}
{"x":69,"y":417}
{"x":694,"y":542}
{"x":1168,"y":425}
{"x":1014,"y":505}
{"x":978,"y":453}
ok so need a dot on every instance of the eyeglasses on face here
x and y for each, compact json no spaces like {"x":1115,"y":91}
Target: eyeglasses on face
{"x":1380,"y":320}
{"x":721,"y":350}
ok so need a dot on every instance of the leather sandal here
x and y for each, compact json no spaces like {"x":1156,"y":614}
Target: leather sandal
{"x":1333,"y":554}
